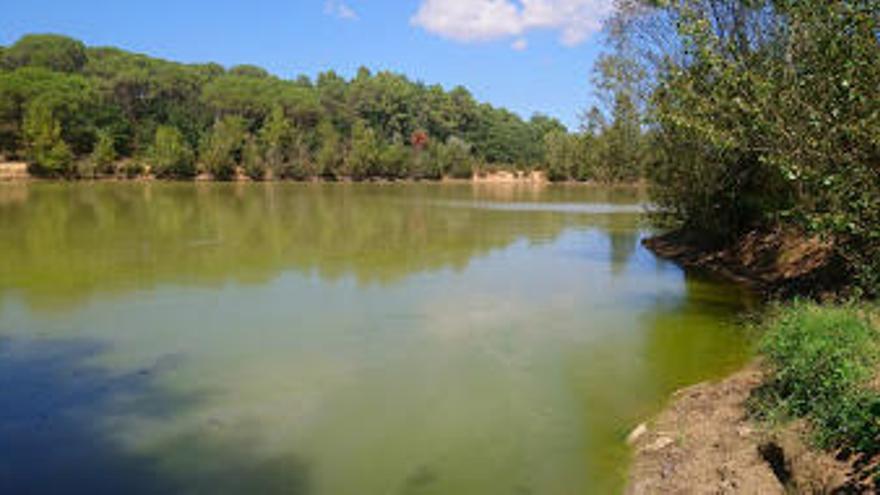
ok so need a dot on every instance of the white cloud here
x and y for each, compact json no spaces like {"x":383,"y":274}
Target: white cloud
{"x":340,"y":9}
{"x":485,"y":20}
{"x":520,"y":44}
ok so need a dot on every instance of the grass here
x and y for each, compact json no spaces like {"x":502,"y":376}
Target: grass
{"x":822,"y":362}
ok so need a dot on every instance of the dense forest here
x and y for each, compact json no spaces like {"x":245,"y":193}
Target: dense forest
{"x":77,"y":111}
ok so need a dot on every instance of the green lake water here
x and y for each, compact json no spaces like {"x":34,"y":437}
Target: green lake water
{"x":339,"y":338}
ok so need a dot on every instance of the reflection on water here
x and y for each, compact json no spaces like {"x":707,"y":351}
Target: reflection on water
{"x":338,"y":339}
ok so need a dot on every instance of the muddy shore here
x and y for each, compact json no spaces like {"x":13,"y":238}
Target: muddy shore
{"x":704,"y":441}
{"x":778,"y":262}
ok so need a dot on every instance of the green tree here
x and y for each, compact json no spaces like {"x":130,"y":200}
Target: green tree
{"x":304,"y":128}
{"x":765,"y":112}
{"x":221,"y":149}
{"x":363,"y":158}
{"x":275,"y":139}
{"x":47,"y":152}
{"x":104,"y":154}
{"x":252,"y":158}
{"x":394,"y":160}
{"x":170,"y":154}
{"x":249,"y":71}
{"x":624,"y":142}
{"x":458,"y":158}
{"x":329,"y":156}
{"x":560,"y":151}
{"x":50,"y":51}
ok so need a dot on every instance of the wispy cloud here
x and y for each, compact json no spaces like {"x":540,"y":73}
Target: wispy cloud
{"x":340,"y":9}
{"x":520,"y":44}
{"x":486,"y":20}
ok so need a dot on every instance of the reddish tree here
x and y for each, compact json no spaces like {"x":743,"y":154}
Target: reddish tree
{"x":419,"y":140}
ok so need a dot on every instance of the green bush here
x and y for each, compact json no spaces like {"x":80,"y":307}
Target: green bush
{"x":252,"y":159}
{"x":103,"y":157}
{"x":170,"y":154}
{"x":221,"y":149}
{"x":48,"y":154}
{"x":822,"y":359}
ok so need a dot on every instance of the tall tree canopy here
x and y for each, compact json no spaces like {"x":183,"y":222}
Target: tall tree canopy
{"x":99,"y":94}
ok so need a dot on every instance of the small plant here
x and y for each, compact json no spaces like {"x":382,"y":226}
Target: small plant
{"x":822,"y":360}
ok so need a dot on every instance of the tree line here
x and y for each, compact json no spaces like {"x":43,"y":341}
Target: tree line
{"x":762,"y":112}
{"x":76,"y":111}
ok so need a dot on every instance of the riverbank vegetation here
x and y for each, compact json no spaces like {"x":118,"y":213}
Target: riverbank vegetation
{"x":75,"y":111}
{"x":824,"y":362}
{"x":764,"y":113}
{"x":762,"y":118}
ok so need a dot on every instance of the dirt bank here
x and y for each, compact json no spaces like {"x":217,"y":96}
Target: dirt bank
{"x":778,"y":261}
{"x":704,"y":443}
{"x":13,"y":171}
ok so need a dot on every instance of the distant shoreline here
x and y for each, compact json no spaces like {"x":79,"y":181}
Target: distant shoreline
{"x":18,"y":172}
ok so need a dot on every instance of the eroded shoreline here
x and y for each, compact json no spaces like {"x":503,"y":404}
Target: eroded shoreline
{"x":705,"y":439}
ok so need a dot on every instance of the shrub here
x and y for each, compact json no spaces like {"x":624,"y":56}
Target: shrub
{"x":104,"y":154}
{"x":822,"y":359}
{"x":48,"y":154}
{"x":170,"y":154}
{"x":222,"y":148}
{"x":394,"y":160}
{"x":252,"y":159}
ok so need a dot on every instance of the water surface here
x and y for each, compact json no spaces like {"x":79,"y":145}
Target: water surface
{"x":339,"y":339}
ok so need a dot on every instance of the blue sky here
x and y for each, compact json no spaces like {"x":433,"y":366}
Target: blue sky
{"x":527,"y":55}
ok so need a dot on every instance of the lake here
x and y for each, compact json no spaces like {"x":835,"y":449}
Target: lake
{"x":340,"y":338}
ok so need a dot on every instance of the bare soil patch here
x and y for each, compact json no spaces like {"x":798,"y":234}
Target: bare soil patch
{"x":10,"y":171}
{"x":705,"y":443}
{"x":780,"y":261}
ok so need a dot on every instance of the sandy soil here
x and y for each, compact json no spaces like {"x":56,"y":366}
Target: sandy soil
{"x":504,"y":176}
{"x":704,"y":443}
{"x":13,"y":171}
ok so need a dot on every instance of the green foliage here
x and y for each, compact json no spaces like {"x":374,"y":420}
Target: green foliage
{"x":458,"y":160}
{"x":429,"y":163}
{"x":770,"y":113}
{"x":394,"y":161}
{"x":221,"y":149}
{"x":561,"y":155}
{"x":249,"y":71}
{"x":332,"y":127}
{"x":49,"y":51}
{"x":47,"y":152}
{"x":329,"y":156}
{"x":275,"y":139}
{"x":822,"y":359}
{"x":170,"y":154}
{"x":70,"y":98}
{"x":363,"y":158}
{"x":104,"y":154}
{"x":252,"y":159}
